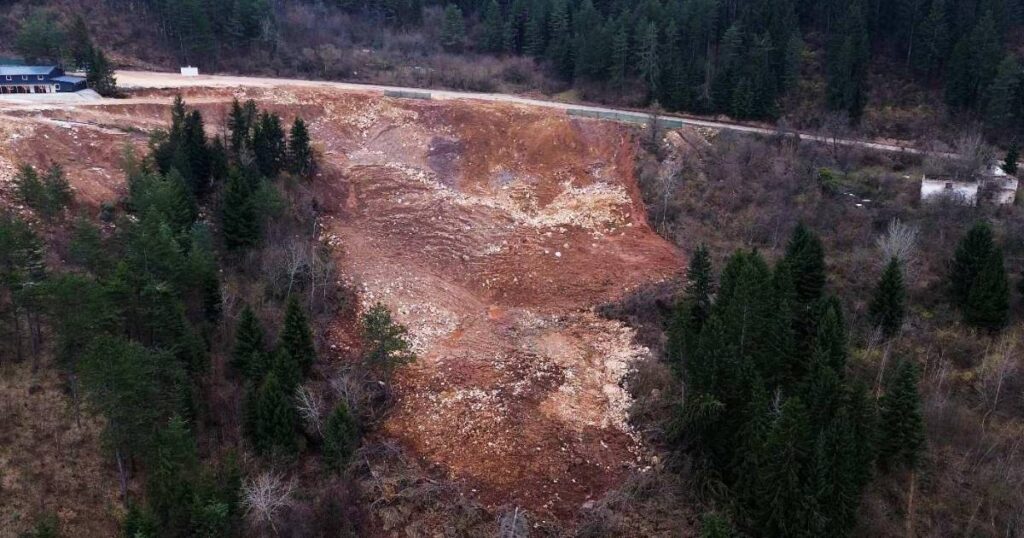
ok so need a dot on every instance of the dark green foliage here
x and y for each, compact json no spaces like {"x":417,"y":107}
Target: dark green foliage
{"x":134,"y":388}
{"x":768,"y":409}
{"x":1010,"y":162}
{"x":715,"y":525}
{"x":973,"y":64}
{"x":47,"y":526}
{"x":48,"y":195}
{"x":240,"y":222}
{"x":247,"y":355}
{"x":971,"y":253}
{"x":848,"y":56}
{"x":988,"y":303}
{"x":296,"y":336}
{"x":1004,"y":98}
{"x":268,"y":145}
{"x":693,"y":310}
{"x":300,"y":154}
{"x":40,"y":39}
{"x":22,"y":271}
{"x":99,"y":74}
{"x":806,"y":261}
{"x":173,"y":469}
{"x":384,"y":340}
{"x":270,"y":417}
{"x":453,"y":28}
{"x":978,"y":280}
{"x":341,"y":437}
{"x":139,"y":523}
{"x":888,"y":302}
{"x":80,"y":46}
{"x":902,"y":426}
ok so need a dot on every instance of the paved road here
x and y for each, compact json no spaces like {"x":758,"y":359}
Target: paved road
{"x":149,"y":79}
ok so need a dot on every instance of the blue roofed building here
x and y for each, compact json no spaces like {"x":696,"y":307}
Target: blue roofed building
{"x":37,"y":79}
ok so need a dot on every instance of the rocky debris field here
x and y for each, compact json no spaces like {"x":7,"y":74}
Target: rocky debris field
{"x":491,"y":230}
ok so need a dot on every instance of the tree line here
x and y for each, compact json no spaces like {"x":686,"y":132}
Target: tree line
{"x":779,"y":429}
{"x":43,"y":38}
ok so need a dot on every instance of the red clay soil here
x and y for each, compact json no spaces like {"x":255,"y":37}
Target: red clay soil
{"x":491,"y":231}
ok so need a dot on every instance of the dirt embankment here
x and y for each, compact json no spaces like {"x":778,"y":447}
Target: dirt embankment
{"x":491,"y":230}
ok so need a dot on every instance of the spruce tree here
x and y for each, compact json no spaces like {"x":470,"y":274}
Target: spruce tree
{"x":300,"y":154}
{"x":988,"y":302}
{"x":1003,"y":96}
{"x":341,"y":437}
{"x":901,"y":438}
{"x":271,"y":418}
{"x":269,"y":146}
{"x":692,"y":310}
{"x":240,"y":222}
{"x":453,"y":28}
{"x":296,"y":336}
{"x":789,"y":506}
{"x":173,"y":472}
{"x":888,"y":302}
{"x":248,"y":351}
{"x":715,"y":525}
{"x":972,"y":252}
{"x":385,"y":340}
{"x":1010,"y":162}
{"x":239,"y":127}
{"x":806,"y":260}
{"x":493,"y":27}
{"x":80,"y":46}
{"x":99,"y":75}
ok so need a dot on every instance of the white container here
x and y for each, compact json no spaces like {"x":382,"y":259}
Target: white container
{"x":190,"y":71}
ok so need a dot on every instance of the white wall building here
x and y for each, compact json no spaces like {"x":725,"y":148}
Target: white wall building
{"x":1002,"y":186}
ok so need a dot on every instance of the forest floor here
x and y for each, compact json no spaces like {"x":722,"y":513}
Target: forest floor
{"x":492,"y":230}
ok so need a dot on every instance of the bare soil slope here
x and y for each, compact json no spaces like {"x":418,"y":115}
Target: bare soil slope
{"x":491,"y":230}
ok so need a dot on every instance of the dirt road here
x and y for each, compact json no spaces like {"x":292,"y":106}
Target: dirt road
{"x":145,"y":79}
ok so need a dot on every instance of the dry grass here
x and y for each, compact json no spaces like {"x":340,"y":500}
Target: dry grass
{"x":49,"y":462}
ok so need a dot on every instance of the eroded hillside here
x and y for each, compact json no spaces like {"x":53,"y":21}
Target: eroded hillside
{"x":490,"y":230}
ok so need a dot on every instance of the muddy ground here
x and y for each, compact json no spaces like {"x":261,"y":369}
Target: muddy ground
{"x":491,"y":230}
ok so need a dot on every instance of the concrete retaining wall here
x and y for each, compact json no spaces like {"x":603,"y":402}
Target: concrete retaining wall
{"x":624,"y":117}
{"x":402,"y":94}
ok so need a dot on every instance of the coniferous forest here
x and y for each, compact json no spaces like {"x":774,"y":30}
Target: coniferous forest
{"x":738,"y":58}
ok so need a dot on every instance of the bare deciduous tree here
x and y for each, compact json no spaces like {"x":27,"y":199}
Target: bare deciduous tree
{"x":310,"y":407}
{"x":264,"y":497}
{"x":900,"y":242}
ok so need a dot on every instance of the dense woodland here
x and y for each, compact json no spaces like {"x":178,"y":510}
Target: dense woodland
{"x":740,"y":58}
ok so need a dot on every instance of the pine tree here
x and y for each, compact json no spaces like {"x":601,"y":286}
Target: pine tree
{"x":296,"y":336}
{"x":341,"y":437}
{"x":240,"y":128}
{"x":1010,"y":162}
{"x":99,"y":74}
{"x":173,"y":471}
{"x":247,"y":355}
{"x":195,"y":148}
{"x":933,"y":43}
{"x":619,"y":62}
{"x":271,"y":418}
{"x":971,"y":254}
{"x":693,"y":310}
{"x":300,"y":154}
{"x":988,"y":302}
{"x":888,"y":303}
{"x":848,"y":56}
{"x":902,"y":426}
{"x":789,"y":506}
{"x":806,"y":260}
{"x":648,"y":61}
{"x":1003,"y":96}
{"x":453,"y":28}
{"x":384,"y":340}
{"x":715,"y":525}
{"x":239,"y":219}
{"x":80,"y":46}
{"x":269,"y":145}
{"x":30,"y":187}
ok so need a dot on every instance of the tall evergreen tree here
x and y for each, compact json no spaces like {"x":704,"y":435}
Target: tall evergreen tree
{"x":296,"y":336}
{"x":888,"y":302}
{"x":1010,"y":161}
{"x":806,"y":260}
{"x":693,"y":310}
{"x":99,"y":74}
{"x":247,"y":355}
{"x":1003,"y":96}
{"x":270,"y":417}
{"x":341,"y":437}
{"x":239,"y":219}
{"x":988,"y":302}
{"x":453,"y":28}
{"x":972,"y":252}
{"x":300,"y":154}
{"x":902,"y":426}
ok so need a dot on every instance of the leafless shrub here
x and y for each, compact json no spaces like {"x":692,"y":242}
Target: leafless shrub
{"x":264,"y":497}
{"x":311,"y":408}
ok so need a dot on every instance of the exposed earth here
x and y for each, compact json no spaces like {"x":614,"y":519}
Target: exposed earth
{"x":492,"y":230}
